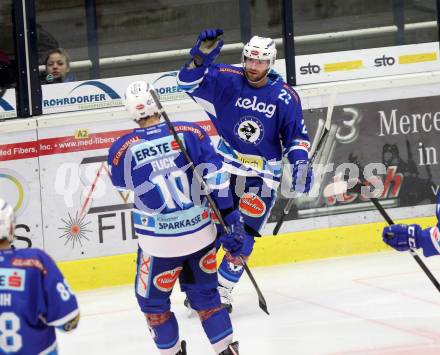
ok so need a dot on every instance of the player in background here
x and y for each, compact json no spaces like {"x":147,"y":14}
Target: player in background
{"x":173,"y":222}
{"x":259,"y":121}
{"x":402,"y":237}
{"x":34,"y":296}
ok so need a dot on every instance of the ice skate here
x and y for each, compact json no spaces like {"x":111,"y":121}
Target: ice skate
{"x":231,"y":350}
{"x":225,"y":297}
{"x":182,"y":350}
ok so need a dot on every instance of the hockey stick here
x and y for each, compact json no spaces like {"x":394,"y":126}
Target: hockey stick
{"x":390,"y":222}
{"x":316,"y":146}
{"x":261,"y":300}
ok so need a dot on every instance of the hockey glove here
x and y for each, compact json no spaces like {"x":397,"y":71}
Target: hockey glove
{"x":237,"y":242}
{"x":402,"y":237}
{"x":302,"y":177}
{"x":207,"y":47}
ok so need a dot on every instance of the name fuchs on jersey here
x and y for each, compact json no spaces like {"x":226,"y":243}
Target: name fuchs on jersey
{"x":253,"y":105}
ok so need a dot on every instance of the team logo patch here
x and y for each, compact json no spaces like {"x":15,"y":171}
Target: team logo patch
{"x":165,"y":281}
{"x":208,"y":263}
{"x":235,"y":269}
{"x":252,"y":205}
{"x":250,"y":130}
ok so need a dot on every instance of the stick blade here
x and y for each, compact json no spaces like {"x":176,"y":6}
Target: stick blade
{"x":263,"y":306}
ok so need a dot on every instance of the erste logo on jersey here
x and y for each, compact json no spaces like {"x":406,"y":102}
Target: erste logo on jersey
{"x":252,"y":104}
{"x":12,"y":279}
{"x":250,"y":130}
{"x":149,"y":150}
{"x":165,"y":281}
{"x":208,"y":263}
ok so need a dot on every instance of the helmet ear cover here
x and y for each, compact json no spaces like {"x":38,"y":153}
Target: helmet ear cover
{"x":138,"y":101}
{"x":7,"y":221}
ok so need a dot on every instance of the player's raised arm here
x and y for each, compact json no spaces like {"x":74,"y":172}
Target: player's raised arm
{"x":203,"y":53}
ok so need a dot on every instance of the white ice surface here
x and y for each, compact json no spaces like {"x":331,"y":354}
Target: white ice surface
{"x":378,"y":304}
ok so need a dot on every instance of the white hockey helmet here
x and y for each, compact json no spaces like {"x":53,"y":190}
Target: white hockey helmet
{"x":138,"y":101}
{"x":7,"y":221}
{"x":260,"y":48}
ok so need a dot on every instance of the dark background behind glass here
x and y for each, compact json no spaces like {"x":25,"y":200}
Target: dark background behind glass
{"x":140,"y":26}
{"x":8,"y":68}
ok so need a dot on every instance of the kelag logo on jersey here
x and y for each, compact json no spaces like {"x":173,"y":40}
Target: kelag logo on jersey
{"x":167,"y":87}
{"x":250,"y":130}
{"x":12,"y":279}
{"x":106,"y":97}
{"x":252,"y":104}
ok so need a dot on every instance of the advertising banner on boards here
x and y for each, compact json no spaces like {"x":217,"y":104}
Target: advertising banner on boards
{"x":367,"y":63}
{"x":396,"y":141}
{"x":20,"y":182}
{"x":105,"y":93}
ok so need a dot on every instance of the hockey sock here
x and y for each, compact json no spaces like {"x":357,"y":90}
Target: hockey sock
{"x":218,"y":328}
{"x":229,"y":273}
{"x":165,"y":332}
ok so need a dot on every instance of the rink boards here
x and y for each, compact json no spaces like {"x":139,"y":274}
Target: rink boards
{"x":53,"y":170}
{"x":269,"y":250}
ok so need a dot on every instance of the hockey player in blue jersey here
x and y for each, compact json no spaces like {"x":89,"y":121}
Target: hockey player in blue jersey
{"x":34,"y":296}
{"x":402,"y":237}
{"x":173,"y":222}
{"x":259,"y":120}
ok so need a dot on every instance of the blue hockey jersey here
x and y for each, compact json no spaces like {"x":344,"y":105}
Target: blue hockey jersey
{"x":171,"y":215}
{"x":433,"y":234}
{"x":34,"y":299}
{"x":257,"y":126}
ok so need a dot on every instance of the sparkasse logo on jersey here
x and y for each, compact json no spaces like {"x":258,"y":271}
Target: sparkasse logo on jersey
{"x":12,"y":279}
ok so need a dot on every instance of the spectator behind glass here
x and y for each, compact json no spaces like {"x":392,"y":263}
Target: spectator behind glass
{"x":57,"y":67}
